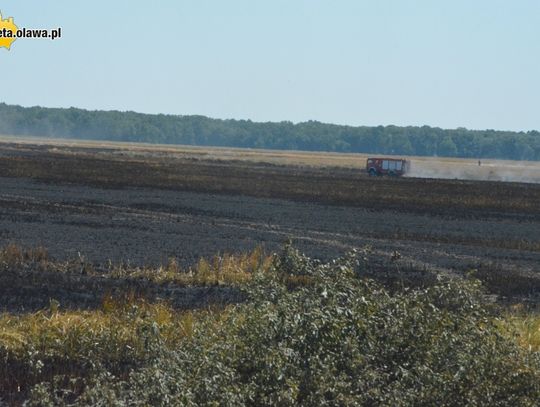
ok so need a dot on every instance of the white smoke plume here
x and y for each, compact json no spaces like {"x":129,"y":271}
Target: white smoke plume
{"x":485,"y":170}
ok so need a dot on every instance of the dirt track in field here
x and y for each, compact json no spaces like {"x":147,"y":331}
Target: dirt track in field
{"x":145,"y":211}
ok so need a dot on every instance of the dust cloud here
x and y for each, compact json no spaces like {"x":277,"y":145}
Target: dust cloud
{"x":488,"y":170}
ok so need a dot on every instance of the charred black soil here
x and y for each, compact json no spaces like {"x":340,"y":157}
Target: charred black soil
{"x":109,"y":206}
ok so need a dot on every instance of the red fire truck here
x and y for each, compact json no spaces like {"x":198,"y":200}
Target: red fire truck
{"x":387,"y":166}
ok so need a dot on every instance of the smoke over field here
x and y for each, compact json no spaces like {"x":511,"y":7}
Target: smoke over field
{"x":485,"y":170}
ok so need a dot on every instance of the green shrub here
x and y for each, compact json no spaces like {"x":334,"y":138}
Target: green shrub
{"x":339,"y":340}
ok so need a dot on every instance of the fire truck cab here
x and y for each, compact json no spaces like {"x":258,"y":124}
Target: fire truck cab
{"x":387,"y":166}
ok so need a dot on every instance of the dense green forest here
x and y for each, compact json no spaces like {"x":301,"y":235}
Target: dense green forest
{"x":310,"y":136}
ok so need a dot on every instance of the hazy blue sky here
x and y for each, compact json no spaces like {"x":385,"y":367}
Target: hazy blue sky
{"x":470,"y":63}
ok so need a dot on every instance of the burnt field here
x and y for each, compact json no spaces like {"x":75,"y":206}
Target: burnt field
{"x":113,"y":256}
{"x":110,"y":206}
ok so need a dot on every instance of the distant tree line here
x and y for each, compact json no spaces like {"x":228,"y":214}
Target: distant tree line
{"x":310,"y":136}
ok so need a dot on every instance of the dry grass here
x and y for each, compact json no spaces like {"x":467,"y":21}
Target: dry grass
{"x":225,"y":269}
{"x":60,"y":328}
{"x":13,"y":254}
{"x":39,"y":346}
{"x":524,"y":327}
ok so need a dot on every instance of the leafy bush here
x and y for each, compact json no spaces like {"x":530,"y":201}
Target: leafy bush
{"x":341,"y":339}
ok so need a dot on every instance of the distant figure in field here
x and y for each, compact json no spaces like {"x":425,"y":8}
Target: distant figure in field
{"x":479,"y":163}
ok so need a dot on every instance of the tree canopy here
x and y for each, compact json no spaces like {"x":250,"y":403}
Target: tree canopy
{"x":310,"y":136}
